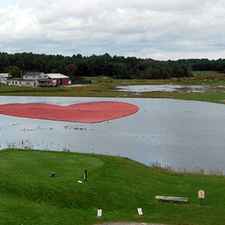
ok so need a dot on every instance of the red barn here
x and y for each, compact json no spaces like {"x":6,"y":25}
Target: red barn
{"x":58,"y":79}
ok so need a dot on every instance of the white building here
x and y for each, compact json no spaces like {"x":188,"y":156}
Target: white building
{"x":4,"y":77}
{"x":37,"y":79}
{"x":35,"y":76}
{"x":23,"y":83}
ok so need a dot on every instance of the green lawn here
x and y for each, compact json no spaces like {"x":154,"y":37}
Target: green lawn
{"x":29,"y":196}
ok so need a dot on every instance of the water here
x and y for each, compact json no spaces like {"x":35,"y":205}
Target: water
{"x":180,"y":134}
{"x":162,"y":88}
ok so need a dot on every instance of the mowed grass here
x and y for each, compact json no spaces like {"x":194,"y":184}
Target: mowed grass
{"x":29,"y":196}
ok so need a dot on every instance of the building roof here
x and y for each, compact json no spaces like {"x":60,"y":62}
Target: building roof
{"x":22,"y":80}
{"x":35,"y":76}
{"x":33,"y":73}
{"x":4,"y":75}
{"x":56,"y":76}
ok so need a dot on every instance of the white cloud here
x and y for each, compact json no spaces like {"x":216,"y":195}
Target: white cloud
{"x":145,"y":28}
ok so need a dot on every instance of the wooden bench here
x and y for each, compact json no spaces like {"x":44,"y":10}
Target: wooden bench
{"x":172,"y":199}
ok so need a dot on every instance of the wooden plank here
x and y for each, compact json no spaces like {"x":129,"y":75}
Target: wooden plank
{"x":172,"y":199}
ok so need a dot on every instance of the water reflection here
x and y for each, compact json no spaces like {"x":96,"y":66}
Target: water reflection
{"x":163,"y":88}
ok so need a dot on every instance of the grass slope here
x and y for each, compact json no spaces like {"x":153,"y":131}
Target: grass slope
{"x":29,"y":196}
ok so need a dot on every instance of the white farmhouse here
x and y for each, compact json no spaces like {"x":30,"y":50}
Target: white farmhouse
{"x":4,"y":77}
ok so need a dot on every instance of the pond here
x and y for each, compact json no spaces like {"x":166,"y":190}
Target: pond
{"x":180,"y":134}
{"x":163,"y":88}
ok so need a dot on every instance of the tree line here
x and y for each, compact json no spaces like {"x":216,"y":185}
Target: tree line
{"x":77,"y":66}
{"x":205,"y":64}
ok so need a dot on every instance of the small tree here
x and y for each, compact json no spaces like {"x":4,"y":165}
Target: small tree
{"x":72,"y":72}
{"x":14,"y":71}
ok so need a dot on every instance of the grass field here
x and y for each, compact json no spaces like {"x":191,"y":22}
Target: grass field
{"x":29,"y":196}
{"x":105,"y":87}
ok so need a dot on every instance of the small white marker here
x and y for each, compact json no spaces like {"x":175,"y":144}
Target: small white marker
{"x":140,"y":211}
{"x":201,"y":194}
{"x":99,"y":213}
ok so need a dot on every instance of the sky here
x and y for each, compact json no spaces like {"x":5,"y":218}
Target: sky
{"x":162,"y":29}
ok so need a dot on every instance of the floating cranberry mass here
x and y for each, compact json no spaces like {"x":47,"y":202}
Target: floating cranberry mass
{"x":91,"y":112}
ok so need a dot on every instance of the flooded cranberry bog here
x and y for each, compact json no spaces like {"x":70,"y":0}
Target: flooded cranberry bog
{"x":179,"y":134}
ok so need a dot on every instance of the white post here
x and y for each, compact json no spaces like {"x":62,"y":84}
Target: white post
{"x":99,"y":213}
{"x":140,"y":211}
{"x":201,"y":194}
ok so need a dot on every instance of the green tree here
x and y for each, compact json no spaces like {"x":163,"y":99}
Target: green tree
{"x":14,"y":71}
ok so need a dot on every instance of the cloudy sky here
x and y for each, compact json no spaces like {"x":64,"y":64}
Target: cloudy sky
{"x":162,"y":29}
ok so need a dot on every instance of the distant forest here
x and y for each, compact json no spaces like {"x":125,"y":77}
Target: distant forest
{"x":77,"y":66}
